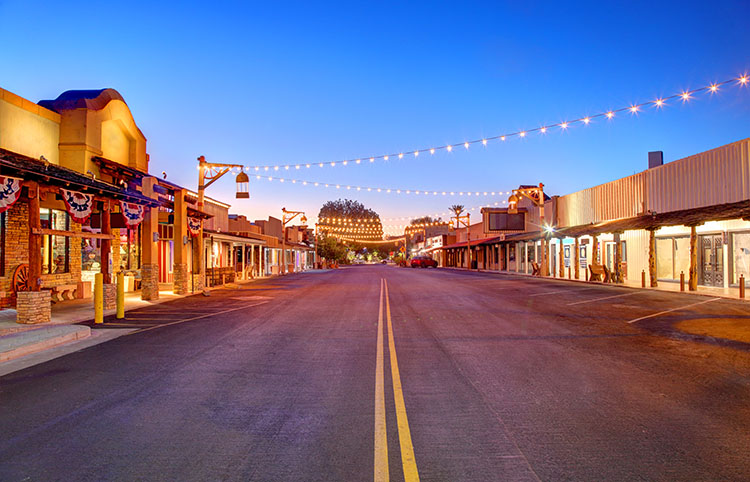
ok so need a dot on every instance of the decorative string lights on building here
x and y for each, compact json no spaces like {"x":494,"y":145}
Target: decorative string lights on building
{"x":371,"y":241}
{"x":684,"y":96}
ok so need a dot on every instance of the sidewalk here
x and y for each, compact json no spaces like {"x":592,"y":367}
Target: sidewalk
{"x":715,"y":292}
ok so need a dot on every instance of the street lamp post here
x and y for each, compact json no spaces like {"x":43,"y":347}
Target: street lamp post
{"x":465,"y":220}
{"x":211,"y":172}
{"x":286,"y":218}
{"x":536,"y":195}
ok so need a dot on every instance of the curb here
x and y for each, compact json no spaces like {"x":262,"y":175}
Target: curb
{"x":33,"y":341}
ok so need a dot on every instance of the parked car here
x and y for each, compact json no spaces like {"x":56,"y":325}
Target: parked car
{"x":423,"y":262}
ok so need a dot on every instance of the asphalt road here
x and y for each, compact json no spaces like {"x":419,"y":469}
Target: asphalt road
{"x":376,"y":372}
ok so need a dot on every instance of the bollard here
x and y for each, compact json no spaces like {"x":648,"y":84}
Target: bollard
{"x":643,"y":278}
{"x":120,"y":295}
{"x":682,"y":281}
{"x":742,"y":286}
{"x":99,"y":298}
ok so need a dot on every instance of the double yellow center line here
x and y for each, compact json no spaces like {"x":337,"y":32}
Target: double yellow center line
{"x":404,"y":434}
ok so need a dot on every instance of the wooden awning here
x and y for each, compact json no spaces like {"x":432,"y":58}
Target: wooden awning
{"x":13,"y":164}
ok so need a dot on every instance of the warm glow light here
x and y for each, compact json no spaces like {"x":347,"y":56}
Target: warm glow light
{"x":466,"y":145}
{"x":502,"y":138}
{"x":450,"y":148}
{"x":416,"y":153}
{"x":522,"y":134}
{"x":685,"y":96}
{"x":714,"y":87}
{"x":634,"y":109}
{"x":564,"y":125}
{"x":333,"y":163}
{"x":432,"y":151}
{"x":401,"y":156}
{"x":484,"y":142}
{"x":543,"y":129}
{"x":586,"y":120}
{"x":385,"y":158}
{"x":743,"y":79}
{"x":345,"y":162}
{"x":659,"y":102}
{"x":610,"y":114}
{"x":372,"y":159}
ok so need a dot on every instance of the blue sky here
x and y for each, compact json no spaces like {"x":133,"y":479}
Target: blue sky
{"x":271,"y":83}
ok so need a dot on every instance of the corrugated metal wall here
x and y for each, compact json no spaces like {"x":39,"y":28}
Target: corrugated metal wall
{"x":718,"y":176}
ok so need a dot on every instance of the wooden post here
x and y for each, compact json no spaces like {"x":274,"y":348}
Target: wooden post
{"x":544,"y":256}
{"x":576,"y":261}
{"x":652,"y":258}
{"x":35,"y":240}
{"x":106,"y":244}
{"x":561,"y":260}
{"x":618,"y":259}
{"x":594,"y":250}
{"x":693,"y":279}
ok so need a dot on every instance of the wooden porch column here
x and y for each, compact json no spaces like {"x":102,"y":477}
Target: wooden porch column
{"x":693,"y":281}
{"x":575,"y":260}
{"x":35,"y":240}
{"x":106,"y":244}
{"x":561,"y":260}
{"x":544,"y":256}
{"x":149,"y":248}
{"x":594,"y":249}
{"x":179,"y":269}
{"x":652,"y":258}
{"x":618,"y":258}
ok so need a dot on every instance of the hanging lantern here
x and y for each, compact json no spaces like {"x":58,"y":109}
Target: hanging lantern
{"x":243,"y":184}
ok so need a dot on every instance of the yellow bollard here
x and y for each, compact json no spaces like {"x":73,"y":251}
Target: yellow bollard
{"x":99,"y":298}
{"x":120,"y":295}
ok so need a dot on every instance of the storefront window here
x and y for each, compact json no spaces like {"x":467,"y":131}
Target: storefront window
{"x":55,"y":249}
{"x":672,"y":257}
{"x":741,"y":256}
{"x":130,"y":249}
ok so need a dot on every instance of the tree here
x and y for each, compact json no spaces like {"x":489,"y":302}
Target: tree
{"x":330,"y":249}
{"x":346,"y":208}
{"x":457,"y":209}
{"x":425,"y":220}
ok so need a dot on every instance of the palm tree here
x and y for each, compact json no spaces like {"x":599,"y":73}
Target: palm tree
{"x":457,"y":209}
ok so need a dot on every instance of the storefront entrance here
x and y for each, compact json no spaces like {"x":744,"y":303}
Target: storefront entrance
{"x":711,"y":262}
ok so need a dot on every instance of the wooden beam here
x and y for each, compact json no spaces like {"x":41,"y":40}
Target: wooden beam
{"x":652,"y":258}
{"x":106,"y":245}
{"x":576,"y":261}
{"x":71,"y":234}
{"x":618,"y":258}
{"x":561,"y":259}
{"x":693,"y":279}
{"x":35,"y":240}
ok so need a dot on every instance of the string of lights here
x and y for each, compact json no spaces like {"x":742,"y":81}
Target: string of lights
{"x":426,"y":192}
{"x":366,"y":241}
{"x":437,"y":215}
{"x":684,"y":96}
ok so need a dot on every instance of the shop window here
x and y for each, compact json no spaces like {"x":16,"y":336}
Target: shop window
{"x":741,"y":256}
{"x":130,"y":249}
{"x":672,"y":257}
{"x":55,"y":249}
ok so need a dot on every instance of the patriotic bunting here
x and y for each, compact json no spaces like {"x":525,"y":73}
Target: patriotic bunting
{"x":10,"y":191}
{"x":133,"y":213}
{"x":194,"y":225}
{"x":79,"y":205}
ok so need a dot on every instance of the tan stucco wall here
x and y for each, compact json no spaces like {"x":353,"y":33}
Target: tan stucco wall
{"x":27,"y":128}
{"x":110,"y":132}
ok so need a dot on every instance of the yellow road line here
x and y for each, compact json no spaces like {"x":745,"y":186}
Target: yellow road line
{"x":404,"y":434}
{"x":381,"y":439}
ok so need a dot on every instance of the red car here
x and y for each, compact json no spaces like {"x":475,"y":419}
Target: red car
{"x":423,"y":262}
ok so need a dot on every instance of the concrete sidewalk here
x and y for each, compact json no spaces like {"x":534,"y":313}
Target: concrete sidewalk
{"x":674,"y":287}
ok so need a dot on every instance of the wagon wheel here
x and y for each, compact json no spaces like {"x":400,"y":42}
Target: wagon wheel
{"x":21,"y":278}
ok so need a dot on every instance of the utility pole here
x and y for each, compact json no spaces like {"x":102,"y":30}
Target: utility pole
{"x":286,"y":218}
{"x":465,"y":220}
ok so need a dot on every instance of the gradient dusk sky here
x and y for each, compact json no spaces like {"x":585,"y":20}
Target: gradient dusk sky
{"x":283,"y":82}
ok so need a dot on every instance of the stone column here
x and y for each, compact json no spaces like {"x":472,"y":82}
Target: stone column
{"x":110,"y":296}
{"x":180,"y":273}
{"x":33,"y":307}
{"x":149,"y":248}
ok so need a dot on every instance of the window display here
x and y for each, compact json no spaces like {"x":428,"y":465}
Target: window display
{"x":55,"y":249}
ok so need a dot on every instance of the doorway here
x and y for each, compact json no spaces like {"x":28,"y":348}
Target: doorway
{"x":711,"y":260}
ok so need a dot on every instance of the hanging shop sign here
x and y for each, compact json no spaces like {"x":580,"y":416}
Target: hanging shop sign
{"x":133,"y":213}
{"x":79,"y":204}
{"x":10,"y":191}
{"x":194,"y":226}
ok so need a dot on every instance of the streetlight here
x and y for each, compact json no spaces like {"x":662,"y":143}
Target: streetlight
{"x":536,"y":195}
{"x":211,"y":172}
{"x":465,"y":220}
{"x":286,"y":218}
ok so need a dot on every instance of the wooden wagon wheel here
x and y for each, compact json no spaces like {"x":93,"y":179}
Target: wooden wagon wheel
{"x":21,"y":278}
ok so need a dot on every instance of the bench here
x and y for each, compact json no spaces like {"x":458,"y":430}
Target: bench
{"x":61,"y":292}
{"x":599,"y":272}
{"x":536,"y":270}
